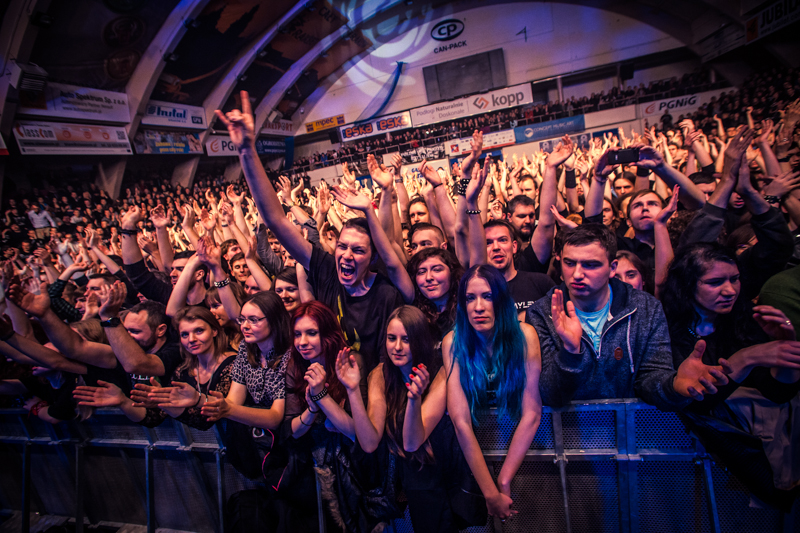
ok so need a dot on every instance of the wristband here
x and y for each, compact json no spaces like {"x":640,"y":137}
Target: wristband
{"x":132,"y":232}
{"x":223,"y":283}
{"x":198,"y":401}
{"x":223,"y":225}
{"x":461,"y":186}
{"x":38,"y":407}
{"x":301,"y":421}
{"x":437,"y":185}
{"x":569,"y":179}
{"x":770,"y":199}
{"x":473,"y":211}
{"x":400,"y":180}
{"x":642,"y":172}
{"x":112,"y":322}
{"x":317,"y":397}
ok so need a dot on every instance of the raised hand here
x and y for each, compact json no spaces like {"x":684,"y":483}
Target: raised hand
{"x":419,"y":378}
{"x":131,"y":218}
{"x":649,"y":157}
{"x":226,"y":214}
{"x":209,"y":220}
{"x":315,"y":377}
{"x":739,"y":144}
{"x":33,"y":304}
{"x":351,"y":199}
{"x":766,"y":129}
{"x":111,"y":299}
{"x":216,"y":406}
{"x":91,"y":308}
{"x":158,"y":216}
{"x":567,"y":324}
{"x":240,"y":124}
{"x":379,"y":176}
{"x":430,"y":174}
{"x":781,"y":185}
{"x":235,"y":199}
{"x":347,"y":370}
{"x":209,"y":253}
{"x":561,"y":221}
{"x":189,"y":217}
{"x":695,"y":379}
{"x":178,"y":395}
{"x":104,"y":395}
{"x":140,"y":394}
{"x":664,"y":215}
{"x":601,"y":168}
{"x":476,"y":183}
{"x":476,"y":143}
{"x":562,"y":152}
{"x":774,"y":322}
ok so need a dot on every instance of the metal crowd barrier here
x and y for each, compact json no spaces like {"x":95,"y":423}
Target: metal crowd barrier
{"x":601,"y":466}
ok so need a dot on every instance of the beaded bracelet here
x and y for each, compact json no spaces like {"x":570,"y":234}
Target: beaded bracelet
{"x":473,"y":211}
{"x":317,"y":397}
{"x":223,"y":283}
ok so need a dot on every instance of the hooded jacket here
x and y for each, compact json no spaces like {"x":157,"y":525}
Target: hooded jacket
{"x":634,"y":360}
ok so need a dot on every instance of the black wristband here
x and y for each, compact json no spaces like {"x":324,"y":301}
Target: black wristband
{"x":317,"y":397}
{"x":129,"y":232}
{"x":569,"y":179}
{"x":642,"y":172}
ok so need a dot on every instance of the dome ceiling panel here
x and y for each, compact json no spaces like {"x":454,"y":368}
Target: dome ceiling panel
{"x":95,"y":43}
{"x":308,"y":28}
{"x":336,"y":56}
{"x":218,"y":35}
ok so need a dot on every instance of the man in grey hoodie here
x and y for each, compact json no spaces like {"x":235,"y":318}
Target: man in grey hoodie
{"x":601,"y":338}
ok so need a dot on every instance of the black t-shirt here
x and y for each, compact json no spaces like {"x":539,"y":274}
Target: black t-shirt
{"x":170,"y":355}
{"x":527,"y":287}
{"x":363,"y":319}
{"x":527,"y":261}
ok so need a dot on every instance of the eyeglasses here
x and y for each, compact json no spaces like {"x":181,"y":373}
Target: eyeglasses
{"x":252,"y":320}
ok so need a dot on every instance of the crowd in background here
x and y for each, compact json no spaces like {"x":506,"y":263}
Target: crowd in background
{"x":362,"y":329}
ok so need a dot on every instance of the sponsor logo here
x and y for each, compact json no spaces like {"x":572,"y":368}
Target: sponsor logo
{"x":528,"y":132}
{"x":169,"y":112}
{"x":393,"y":122}
{"x":508,"y":100}
{"x":357,"y":131}
{"x":197,"y":120}
{"x":657,"y":107}
{"x":480,"y":102}
{"x":447,"y":30}
{"x":451,"y":46}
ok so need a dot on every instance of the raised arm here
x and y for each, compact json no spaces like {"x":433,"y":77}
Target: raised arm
{"x":397,"y":273}
{"x":127,"y":351}
{"x":446,"y":212}
{"x":31,"y":349}
{"x":421,"y":417}
{"x":210,"y":255}
{"x":177,"y":300}
{"x":663,"y":245}
{"x":691,"y":196}
{"x":477,"y":235}
{"x":242,"y":131}
{"x":544,"y":234}
{"x":160,"y":220}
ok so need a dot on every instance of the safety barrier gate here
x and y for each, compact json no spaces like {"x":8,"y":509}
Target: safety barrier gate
{"x":602,"y":466}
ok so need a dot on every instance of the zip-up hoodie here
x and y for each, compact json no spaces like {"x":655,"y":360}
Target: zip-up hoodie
{"x":634,"y":360}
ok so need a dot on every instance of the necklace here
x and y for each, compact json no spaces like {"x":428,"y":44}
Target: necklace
{"x":694,"y":334}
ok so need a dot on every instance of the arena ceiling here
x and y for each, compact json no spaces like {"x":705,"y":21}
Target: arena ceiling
{"x":203,"y":52}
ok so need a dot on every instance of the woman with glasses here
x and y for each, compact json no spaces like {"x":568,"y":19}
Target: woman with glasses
{"x":260,"y":366}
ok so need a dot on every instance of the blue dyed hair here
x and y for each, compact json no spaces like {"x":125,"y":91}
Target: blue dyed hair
{"x":503,"y":354}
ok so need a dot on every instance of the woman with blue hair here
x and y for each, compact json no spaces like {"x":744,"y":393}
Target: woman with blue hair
{"x":492,"y":361}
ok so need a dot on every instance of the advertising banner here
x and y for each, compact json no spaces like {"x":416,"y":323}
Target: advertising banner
{"x":394,"y":122}
{"x":544,"y":130}
{"x":167,"y":142}
{"x":79,"y":103}
{"x":417,"y":155}
{"x":174,"y":115}
{"x":221,"y":145}
{"x":473,"y":105}
{"x":282,"y":127}
{"x":458,"y":147}
{"x":771,"y":19}
{"x":52,"y":138}
{"x":677,"y":105}
{"x":325,"y":124}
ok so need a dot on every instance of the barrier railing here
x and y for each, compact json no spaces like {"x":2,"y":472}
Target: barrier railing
{"x":606,"y":466}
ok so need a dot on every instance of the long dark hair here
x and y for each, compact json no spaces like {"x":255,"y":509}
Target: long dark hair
{"x":503,"y":355}
{"x":196,"y":312}
{"x":231,"y":328}
{"x":332,"y":341}
{"x":444,"y":320}
{"x":271,"y":305}
{"x":678,"y":295}
{"x":421,"y":341}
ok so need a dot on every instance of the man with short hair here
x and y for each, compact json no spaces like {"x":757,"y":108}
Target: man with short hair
{"x":42,"y":221}
{"x":600,"y":338}
{"x":424,"y":235}
{"x":501,"y":246}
